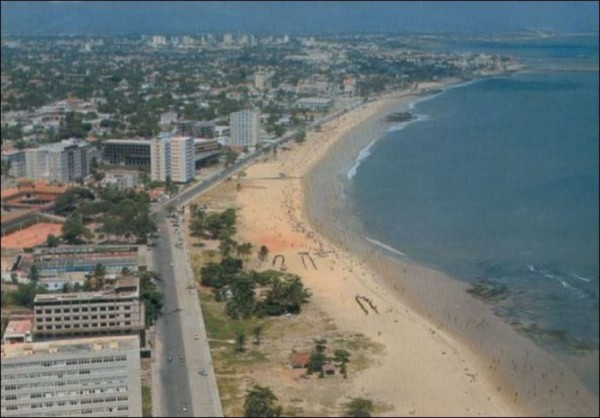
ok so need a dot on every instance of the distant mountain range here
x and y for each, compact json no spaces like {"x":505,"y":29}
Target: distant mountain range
{"x":133,"y":17}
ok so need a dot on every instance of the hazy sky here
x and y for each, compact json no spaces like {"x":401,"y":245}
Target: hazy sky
{"x":296,"y":17}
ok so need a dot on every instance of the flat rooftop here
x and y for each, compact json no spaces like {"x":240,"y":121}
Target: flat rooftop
{"x":74,"y":346}
{"x":123,"y":283}
{"x":18,"y":326}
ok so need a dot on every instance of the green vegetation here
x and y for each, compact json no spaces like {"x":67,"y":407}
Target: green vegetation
{"x":73,"y":229}
{"x":230,"y":156}
{"x":52,"y":240}
{"x":214,"y":225}
{"x":24,"y":295}
{"x":358,"y":407}
{"x":153,"y":299}
{"x":260,"y":402}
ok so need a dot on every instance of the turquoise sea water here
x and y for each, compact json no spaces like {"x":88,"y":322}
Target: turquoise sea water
{"x":498,"y":182}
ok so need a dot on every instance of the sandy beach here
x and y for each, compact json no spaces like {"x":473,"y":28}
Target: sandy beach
{"x":424,"y":371}
{"x":445,"y":354}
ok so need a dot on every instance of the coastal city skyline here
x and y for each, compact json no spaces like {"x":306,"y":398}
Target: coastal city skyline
{"x":299,"y":208}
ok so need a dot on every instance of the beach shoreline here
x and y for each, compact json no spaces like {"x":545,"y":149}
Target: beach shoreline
{"x":419,"y":284}
{"x":434,"y":364}
{"x":442,"y":376}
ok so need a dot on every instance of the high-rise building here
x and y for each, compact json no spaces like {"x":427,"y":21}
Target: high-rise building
{"x":160,"y":157}
{"x":65,"y":161}
{"x":77,"y":377}
{"x":182,"y":159}
{"x":228,"y":38}
{"x":16,"y":160}
{"x":245,"y":126}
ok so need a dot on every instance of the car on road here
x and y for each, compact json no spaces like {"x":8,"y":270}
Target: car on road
{"x":182,"y":358}
{"x":202,"y":372}
{"x":171,"y":264}
{"x":170,"y":359}
{"x":196,"y":337}
{"x":184,"y":407}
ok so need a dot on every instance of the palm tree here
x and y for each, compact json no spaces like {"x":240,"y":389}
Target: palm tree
{"x":244,"y":249}
{"x":263,"y":253}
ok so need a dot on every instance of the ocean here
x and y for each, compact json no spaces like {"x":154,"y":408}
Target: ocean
{"x":496,"y":184}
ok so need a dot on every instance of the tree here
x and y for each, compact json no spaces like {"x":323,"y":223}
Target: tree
{"x":240,"y":342}
{"x":226,"y":246}
{"x":257,"y":331}
{"x":99,"y":271}
{"x":34,"y":274}
{"x":52,"y":240}
{"x":260,"y":402}
{"x":25,"y":294}
{"x":241,"y":304}
{"x":73,"y":228}
{"x":230,"y":157}
{"x":263,"y":253}
{"x":285,"y":296}
{"x":153,"y":299}
{"x":244,"y":249}
{"x":358,"y":407}
{"x":342,"y":357}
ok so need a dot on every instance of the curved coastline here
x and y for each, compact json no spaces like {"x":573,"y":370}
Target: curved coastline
{"x":524,"y":372}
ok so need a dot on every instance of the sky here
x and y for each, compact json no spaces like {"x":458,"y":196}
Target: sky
{"x":296,"y":17}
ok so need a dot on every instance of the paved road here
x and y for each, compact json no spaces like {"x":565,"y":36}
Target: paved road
{"x":181,"y":332}
{"x":173,"y":376}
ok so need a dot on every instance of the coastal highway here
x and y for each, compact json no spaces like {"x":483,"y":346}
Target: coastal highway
{"x":182,"y":351}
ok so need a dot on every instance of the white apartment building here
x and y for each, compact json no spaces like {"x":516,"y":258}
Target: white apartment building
{"x":160,"y":157}
{"x":244,"y":126}
{"x":77,"y":377}
{"x":182,"y":159}
{"x":64,"y":161}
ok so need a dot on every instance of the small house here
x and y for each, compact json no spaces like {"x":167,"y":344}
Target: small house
{"x":299,"y":360}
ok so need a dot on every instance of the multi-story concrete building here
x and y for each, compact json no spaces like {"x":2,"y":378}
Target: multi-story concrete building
{"x":16,"y":159}
{"x":245,"y":126}
{"x":68,"y":160}
{"x":160,"y":157}
{"x":317,"y":104}
{"x":127,"y":152}
{"x":79,"y":377}
{"x":65,"y":315}
{"x":202,"y":129}
{"x":182,"y":159}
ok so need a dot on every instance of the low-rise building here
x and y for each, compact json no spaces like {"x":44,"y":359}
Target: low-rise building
{"x":316,"y":104}
{"x":76,"y":377}
{"x":17,"y":331}
{"x":118,"y":310}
